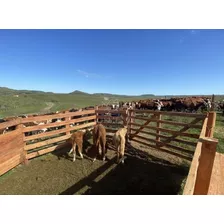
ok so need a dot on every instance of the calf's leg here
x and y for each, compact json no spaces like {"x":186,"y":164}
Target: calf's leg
{"x":122,"y":149}
{"x":80,"y":150}
{"x":74,"y":152}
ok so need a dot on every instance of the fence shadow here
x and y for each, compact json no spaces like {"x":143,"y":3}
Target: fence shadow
{"x":140,"y":175}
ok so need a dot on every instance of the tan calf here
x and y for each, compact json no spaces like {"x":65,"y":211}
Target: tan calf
{"x":119,"y":143}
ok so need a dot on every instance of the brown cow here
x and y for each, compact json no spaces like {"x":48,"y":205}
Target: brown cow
{"x":99,"y":141}
{"x":77,"y":138}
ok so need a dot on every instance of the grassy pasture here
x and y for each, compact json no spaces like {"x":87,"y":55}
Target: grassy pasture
{"x":37,"y":103}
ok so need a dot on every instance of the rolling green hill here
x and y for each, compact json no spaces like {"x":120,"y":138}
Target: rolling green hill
{"x":17,"y":102}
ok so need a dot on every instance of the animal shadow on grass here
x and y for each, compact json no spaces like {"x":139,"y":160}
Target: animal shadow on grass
{"x":141,"y":174}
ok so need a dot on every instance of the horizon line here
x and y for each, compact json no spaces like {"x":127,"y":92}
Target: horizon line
{"x":112,"y":93}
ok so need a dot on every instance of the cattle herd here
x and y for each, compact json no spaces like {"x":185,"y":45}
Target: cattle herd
{"x":184,"y":104}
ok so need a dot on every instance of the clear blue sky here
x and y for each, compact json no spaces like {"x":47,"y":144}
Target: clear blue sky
{"x":131,"y":62}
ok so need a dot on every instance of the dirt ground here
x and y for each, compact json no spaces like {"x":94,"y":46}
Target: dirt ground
{"x":143,"y":173}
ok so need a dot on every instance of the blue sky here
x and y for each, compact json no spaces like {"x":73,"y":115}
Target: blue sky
{"x":131,"y":62}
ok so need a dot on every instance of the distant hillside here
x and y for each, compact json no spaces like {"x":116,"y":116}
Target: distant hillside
{"x":8,"y":91}
{"x":77,"y":92}
{"x":117,"y":95}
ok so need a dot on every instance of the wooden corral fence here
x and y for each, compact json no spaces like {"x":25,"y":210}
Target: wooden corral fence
{"x":199,"y":176}
{"x":11,"y":147}
{"x":190,"y":138}
{"x":164,"y":132}
{"x":186,"y":135}
{"x":17,"y":147}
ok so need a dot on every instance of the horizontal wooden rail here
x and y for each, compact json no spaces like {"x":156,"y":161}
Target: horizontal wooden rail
{"x":10,"y":123}
{"x":56,"y":116}
{"x":46,"y":142}
{"x":64,"y":130}
{"x":41,"y":152}
{"x":169,"y":131}
{"x":170,"y":122}
{"x":109,"y":117}
{"x":181,"y":114}
{"x":164,"y":136}
{"x":111,"y":111}
{"x":58,"y":124}
{"x":77,"y":127}
{"x":110,"y":124}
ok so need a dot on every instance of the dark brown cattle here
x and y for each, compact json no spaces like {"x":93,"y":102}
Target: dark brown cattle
{"x":99,"y":141}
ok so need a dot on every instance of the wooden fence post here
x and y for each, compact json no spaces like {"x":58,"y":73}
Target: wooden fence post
{"x":210,"y":124}
{"x":213,"y":103}
{"x":24,"y":159}
{"x":127,"y":121}
{"x":67,"y":125}
{"x":159,"y":117}
{"x":205,"y":165}
{"x":96,"y":108}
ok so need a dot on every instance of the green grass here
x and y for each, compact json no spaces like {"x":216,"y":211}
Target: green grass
{"x":36,"y":102}
{"x":219,"y":132}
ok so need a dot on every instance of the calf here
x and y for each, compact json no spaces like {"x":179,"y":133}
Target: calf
{"x":99,"y":141}
{"x":119,"y":143}
{"x":77,"y":138}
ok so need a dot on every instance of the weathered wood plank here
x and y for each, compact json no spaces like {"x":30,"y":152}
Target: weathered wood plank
{"x":205,"y":166}
{"x":10,"y":164}
{"x":46,"y":142}
{"x":59,"y":124}
{"x":43,"y":151}
{"x":109,"y":118}
{"x":164,"y":136}
{"x":170,"y":122}
{"x":49,"y":117}
{"x":10,"y":123}
{"x":180,"y":132}
{"x":181,"y":114}
{"x":191,"y":178}
{"x":176,"y":133}
{"x":64,"y":130}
